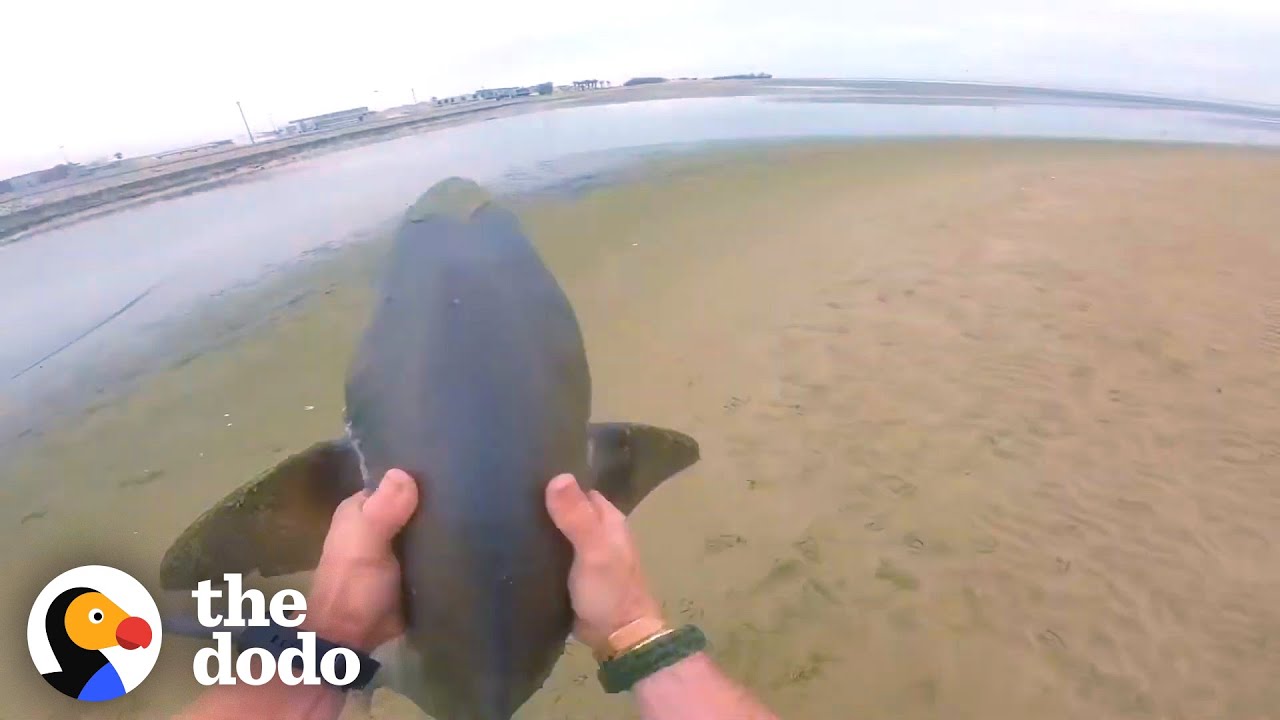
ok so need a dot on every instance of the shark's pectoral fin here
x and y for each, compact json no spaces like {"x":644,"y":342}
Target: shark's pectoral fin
{"x":275,"y":524}
{"x":628,"y":460}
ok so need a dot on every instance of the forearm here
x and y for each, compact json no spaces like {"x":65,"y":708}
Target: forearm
{"x":275,"y":699}
{"x":695,"y":689}
{"x":272,"y":700}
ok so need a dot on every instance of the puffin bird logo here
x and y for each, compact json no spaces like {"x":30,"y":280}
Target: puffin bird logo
{"x":96,"y":639}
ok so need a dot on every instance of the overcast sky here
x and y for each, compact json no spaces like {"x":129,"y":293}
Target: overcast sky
{"x":89,"y":78}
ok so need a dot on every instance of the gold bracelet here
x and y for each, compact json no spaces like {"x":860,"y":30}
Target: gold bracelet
{"x":631,"y":636}
{"x":644,"y":642}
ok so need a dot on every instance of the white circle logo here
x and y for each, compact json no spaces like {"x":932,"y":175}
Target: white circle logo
{"x":94,"y":633}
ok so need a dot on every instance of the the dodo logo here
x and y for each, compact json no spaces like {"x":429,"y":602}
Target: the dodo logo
{"x":94,"y":633}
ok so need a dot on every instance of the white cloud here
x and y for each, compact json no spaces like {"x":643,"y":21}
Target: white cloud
{"x":139,"y":74}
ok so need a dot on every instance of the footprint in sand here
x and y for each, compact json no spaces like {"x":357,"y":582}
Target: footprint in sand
{"x":35,"y":515}
{"x":808,"y":548}
{"x":806,"y":670}
{"x":896,"y":576}
{"x":985,"y":545}
{"x":146,"y":478}
{"x":722,"y":542}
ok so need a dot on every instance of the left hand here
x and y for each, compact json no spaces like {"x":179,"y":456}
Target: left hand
{"x":606,"y":585}
{"x":355,"y":597}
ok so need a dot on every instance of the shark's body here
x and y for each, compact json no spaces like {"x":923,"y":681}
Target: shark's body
{"x":472,"y":377}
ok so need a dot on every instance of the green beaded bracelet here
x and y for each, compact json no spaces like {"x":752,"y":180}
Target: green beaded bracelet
{"x":619,"y":674}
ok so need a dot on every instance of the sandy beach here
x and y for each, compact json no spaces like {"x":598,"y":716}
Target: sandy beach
{"x":989,"y":429}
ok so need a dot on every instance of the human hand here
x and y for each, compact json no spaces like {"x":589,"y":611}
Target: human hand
{"x":355,"y":597}
{"x":606,"y":587}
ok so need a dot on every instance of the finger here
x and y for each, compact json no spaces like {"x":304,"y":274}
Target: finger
{"x":392,"y":504}
{"x":605,"y":510}
{"x":351,"y":505}
{"x":572,"y":511}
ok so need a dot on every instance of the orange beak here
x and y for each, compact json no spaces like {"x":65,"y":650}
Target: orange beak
{"x":133,"y":633}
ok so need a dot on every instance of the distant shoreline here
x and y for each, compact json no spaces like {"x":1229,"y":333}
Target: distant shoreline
{"x":91,"y":199}
{"x":74,"y":203}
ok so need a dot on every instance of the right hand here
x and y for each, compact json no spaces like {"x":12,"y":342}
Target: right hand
{"x":606,"y":586}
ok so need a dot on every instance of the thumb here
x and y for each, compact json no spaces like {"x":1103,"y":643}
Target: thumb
{"x":571,"y":511}
{"x":391,"y":505}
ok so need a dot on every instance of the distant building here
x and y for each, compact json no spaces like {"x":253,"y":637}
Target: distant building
{"x":455,"y":99}
{"x":505,"y":93}
{"x":501,"y":93}
{"x":328,"y":121}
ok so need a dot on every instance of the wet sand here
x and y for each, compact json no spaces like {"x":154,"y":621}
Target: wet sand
{"x":990,"y":429}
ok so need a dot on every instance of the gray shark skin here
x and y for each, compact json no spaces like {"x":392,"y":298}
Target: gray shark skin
{"x":471,"y":375}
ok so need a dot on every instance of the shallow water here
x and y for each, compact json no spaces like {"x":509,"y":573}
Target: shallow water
{"x":61,"y":325}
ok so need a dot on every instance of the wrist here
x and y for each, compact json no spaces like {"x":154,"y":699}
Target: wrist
{"x":630,"y":636}
{"x":336,"y":626}
{"x":665,"y":650}
{"x":638,"y":616}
